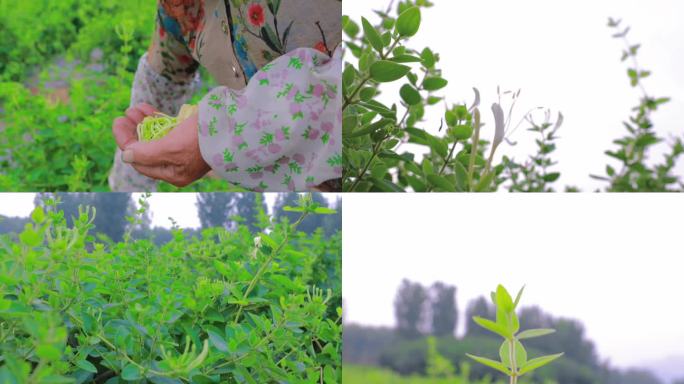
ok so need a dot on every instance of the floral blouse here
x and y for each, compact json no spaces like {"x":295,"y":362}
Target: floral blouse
{"x":274,"y":124}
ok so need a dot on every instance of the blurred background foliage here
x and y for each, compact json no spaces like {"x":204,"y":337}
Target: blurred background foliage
{"x":66,"y":69}
{"x":426,"y":319}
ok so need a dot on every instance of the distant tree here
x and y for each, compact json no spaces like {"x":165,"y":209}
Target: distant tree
{"x":443,"y":309}
{"x":312,"y":222}
{"x":333,"y":223}
{"x":247,"y":206}
{"x":570,"y":336}
{"x":221,"y":209}
{"x":111,"y":209}
{"x":410,"y":307}
{"x":478,"y":307}
{"x":638,"y":376}
{"x":212,"y":209}
{"x":12,"y":224}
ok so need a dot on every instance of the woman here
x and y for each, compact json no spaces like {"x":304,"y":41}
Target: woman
{"x":275,"y":122}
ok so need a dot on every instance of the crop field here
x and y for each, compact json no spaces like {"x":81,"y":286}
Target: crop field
{"x":66,"y":69}
{"x":225,"y":307}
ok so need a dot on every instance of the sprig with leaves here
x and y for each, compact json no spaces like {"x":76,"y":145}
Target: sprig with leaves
{"x":374,"y":132}
{"x":514,"y":361}
{"x":636,"y":172}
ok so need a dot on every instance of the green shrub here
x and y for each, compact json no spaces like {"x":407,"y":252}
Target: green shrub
{"x":227,"y":307}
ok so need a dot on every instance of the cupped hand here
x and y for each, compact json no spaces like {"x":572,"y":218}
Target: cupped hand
{"x":176,"y":158}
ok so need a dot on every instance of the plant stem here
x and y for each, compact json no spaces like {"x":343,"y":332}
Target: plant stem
{"x":473,"y":151}
{"x":514,"y":368}
{"x":263,"y":267}
{"x":376,"y":149}
{"x":446,"y":162}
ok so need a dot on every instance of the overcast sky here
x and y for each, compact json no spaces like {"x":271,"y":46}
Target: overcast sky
{"x":562,"y":56}
{"x":180,"y":206}
{"x":612,"y":261}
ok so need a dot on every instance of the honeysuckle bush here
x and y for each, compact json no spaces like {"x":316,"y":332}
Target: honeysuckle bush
{"x":514,"y":361}
{"x":458,"y":159}
{"x":635,"y":171}
{"x":463,"y":156}
{"x":229,"y":307}
{"x":58,"y":137}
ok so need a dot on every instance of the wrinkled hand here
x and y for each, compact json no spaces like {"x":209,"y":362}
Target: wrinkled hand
{"x":176,"y":158}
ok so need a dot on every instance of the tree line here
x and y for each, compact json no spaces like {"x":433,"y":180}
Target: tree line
{"x":226,"y":210}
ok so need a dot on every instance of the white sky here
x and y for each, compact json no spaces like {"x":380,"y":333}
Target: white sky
{"x":180,"y":206}
{"x":612,"y":261}
{"x":562,"y":56}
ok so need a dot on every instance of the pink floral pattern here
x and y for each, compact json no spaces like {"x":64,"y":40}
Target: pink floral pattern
{"x":283,"y":131}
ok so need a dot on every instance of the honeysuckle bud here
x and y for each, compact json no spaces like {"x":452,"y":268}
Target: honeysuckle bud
{"x":559,"y":122}
{"x":476,"y":103}
{"x":499,"y":124}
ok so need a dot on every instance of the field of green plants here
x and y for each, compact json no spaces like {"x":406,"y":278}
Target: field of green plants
{"x":66,"y":69}
{"x":239,"y":306}
{"x":353,"y":374}
{"x":377,"y":123}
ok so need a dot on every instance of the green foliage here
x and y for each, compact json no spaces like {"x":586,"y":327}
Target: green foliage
{"x":457,"y":160}
{"x":377,"y":126}
{"x":534,"y":175}
{"x":353,"y":374}
{"x":226,"y":307}
{"x":514,"y":361}
{"x":636,"y":173}
{"x":57,"y":103}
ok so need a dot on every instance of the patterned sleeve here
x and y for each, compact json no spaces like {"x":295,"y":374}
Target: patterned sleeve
{"x":166,"y":78}
{"x":283,"y":131}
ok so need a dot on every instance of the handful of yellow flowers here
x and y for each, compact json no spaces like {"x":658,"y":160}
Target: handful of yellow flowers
{"x":156,"y":127}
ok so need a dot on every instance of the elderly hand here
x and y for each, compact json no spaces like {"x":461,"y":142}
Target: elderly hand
{"x":176,"y":158}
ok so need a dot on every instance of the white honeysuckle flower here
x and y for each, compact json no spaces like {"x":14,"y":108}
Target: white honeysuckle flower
{"x":559,"y":122}
{"x":257,"y":242}
{"x":499,"y":123}
{"x":476,"y":103}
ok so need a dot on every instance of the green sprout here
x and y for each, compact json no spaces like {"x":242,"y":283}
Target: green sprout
{"x":514,"y":360}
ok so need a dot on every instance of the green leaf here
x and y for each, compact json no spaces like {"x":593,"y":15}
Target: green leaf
{"x":520,"y":354}
{"x":492,"y":326}
{"x":532,"y":333}
{"x":386,"y":185}
{"x":428,"y":58}
{"x":30,"y":237}
{"x":410,"y":95}
{"x":131,"y":373}
{"x":324,"y":211}
{"x":551,"y":177}
{"x":350,"y":27}
{"x":441,"y":182}
{"x":86,"y":366}
{"x":485,"y":182}
{"x":518,"y":297}
{"x":217,"y":341}
{"x":491,"y":363}
{"x":48,"y":352}
{"x":503,"y":299}
{"x":385,"y":71}
{"x":461,"y":132}
{"x":461,"y":175}
{"x":538,"y":363}
{"x":408,"y":22}
{"x":38,"y":215}
{"x":434,"y":83}
{"x":372,"y":35}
